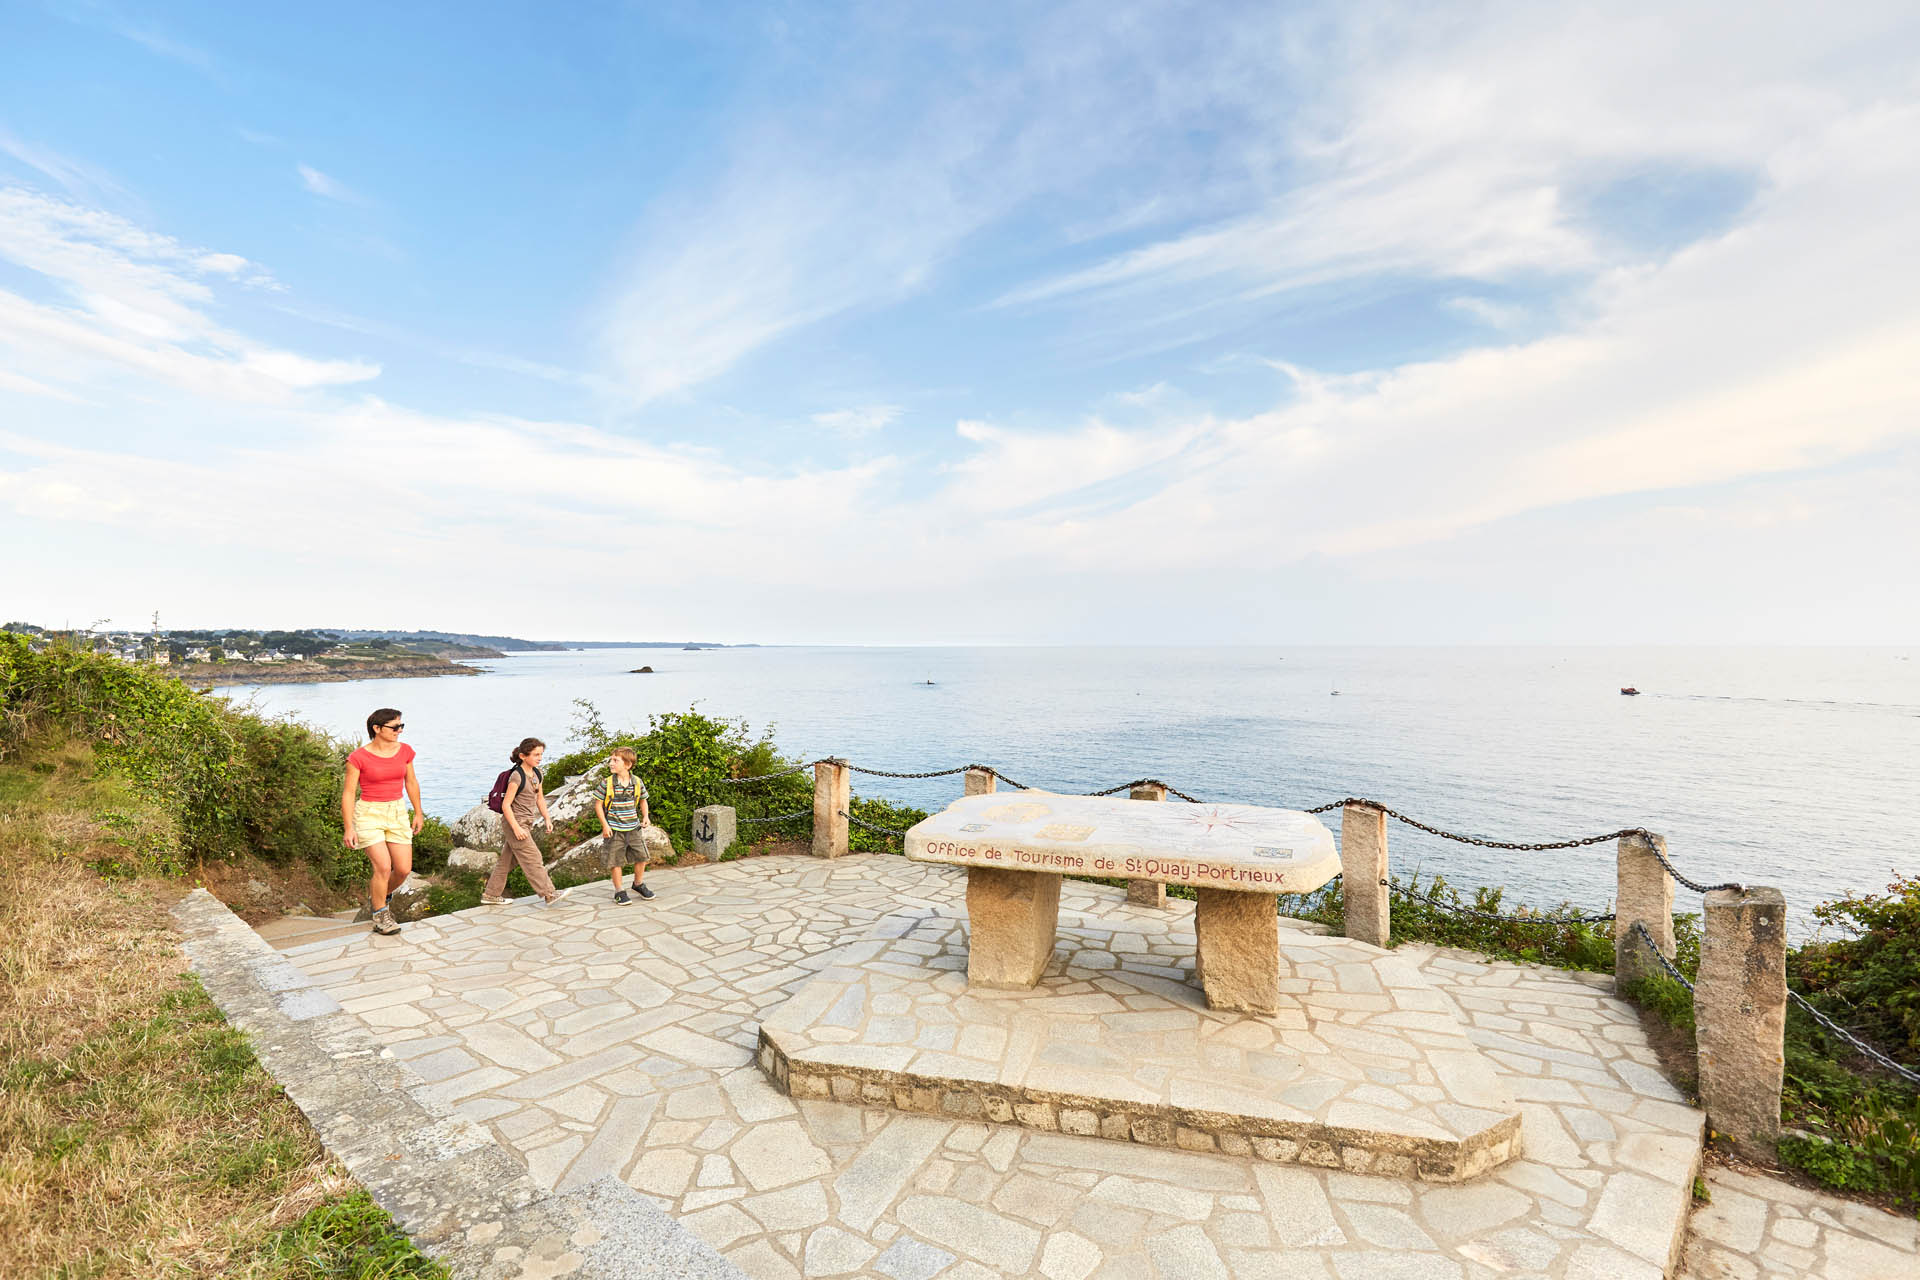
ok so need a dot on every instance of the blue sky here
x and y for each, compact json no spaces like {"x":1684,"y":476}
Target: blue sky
{"x":999,"y":323}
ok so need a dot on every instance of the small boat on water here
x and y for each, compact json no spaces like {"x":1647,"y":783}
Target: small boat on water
{"x":1630,"y":691}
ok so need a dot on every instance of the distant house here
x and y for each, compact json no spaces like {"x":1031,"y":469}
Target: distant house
{"x":197,"y":655}
{"x":161,"y":658}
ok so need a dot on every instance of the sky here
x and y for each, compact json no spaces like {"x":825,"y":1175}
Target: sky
{"x":1131,"y":323}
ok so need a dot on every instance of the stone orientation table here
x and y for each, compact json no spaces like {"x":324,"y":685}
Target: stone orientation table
{"x":1237,"y":857}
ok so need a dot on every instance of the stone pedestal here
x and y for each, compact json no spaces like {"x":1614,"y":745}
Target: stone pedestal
{"x":1012,"y":917}
{"x":980,"y":782}
{"x":832,"y":798}
{"x":1238,"y":949}
{"x":1643,"y":895}
{"x":714,"y":828}
{"x":1147,"y":893}
{"x":1740,"y":1009}
{"x":1363,"y":865}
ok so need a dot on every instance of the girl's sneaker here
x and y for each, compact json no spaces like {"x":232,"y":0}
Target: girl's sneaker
{"x":384,"y":923}
{"x":621,"y":896}
{"x":643,"y":891}
{"x":488,"y":900}
{"x":557,"y":895}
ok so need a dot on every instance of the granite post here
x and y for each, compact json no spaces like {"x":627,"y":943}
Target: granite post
{"x":714,"y":828}
{"x":980,"y":782}
{"x":1363,"y":868}
{"x":1011,"y":919}
{"x":1147,"y":893}
{"x":832,"y":799}
{"x":1740,"y":1010}
{"x":1643,"y":895}
{"x":1238,"y":949}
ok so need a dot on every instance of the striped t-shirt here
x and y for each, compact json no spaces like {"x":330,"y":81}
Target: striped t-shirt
{"x":623,"y":802}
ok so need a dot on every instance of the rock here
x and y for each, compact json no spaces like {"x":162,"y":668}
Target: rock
{"x":480,"y":828}
{"x":641,"y":671}
{"x":409,"y":901}
{"x":477,"y":860}
{"x":585,"y":858}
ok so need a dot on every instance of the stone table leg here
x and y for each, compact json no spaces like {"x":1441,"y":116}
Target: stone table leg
{"x":1237,"y":938}
{"x":1011,"y":917}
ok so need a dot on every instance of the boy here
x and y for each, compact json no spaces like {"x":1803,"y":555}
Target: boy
{"x":622,"y":807}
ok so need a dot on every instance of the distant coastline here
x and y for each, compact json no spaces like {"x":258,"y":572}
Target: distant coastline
{"x":206,"y":675}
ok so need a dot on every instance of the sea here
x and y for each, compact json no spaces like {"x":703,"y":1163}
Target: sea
{"x":1798,"y":768}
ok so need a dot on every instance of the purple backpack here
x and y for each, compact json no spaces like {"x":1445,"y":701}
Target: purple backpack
{"x":497,"y":798}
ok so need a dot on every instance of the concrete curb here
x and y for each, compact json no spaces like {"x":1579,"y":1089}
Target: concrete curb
{"x":452,"y":1188}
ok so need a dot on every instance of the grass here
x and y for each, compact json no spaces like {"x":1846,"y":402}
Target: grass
{"x":138,"y":1134}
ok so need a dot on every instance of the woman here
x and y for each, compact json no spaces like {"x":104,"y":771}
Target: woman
{"x":371,"y":815}
{"x":525,"y":802}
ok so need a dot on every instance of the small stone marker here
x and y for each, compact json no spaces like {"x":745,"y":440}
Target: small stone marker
{"x":1740,"y":1007}
{"x":1240,"y":857}
{"x":1643,"y":894}
{"x":980,"y":782}
{"x":1147,"y":893}
{"x":832,"y":801}
{"x":714,"y":828}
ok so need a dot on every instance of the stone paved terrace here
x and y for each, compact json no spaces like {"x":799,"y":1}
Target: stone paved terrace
{"x":597,"y":1039}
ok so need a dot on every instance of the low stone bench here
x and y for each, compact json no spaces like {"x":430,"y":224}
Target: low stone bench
{"x":1237,"y":857}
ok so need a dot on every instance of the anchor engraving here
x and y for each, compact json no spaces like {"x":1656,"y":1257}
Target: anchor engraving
{"x":705,"y":834}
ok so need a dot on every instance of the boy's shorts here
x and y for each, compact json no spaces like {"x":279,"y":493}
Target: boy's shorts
{"x":381,"y":822}
{"x":623,"y":847}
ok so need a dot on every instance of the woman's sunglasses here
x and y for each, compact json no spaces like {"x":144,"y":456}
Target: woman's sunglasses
{"x":396,"y":726}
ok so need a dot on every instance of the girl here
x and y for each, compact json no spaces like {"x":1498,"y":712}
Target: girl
{"x":374,"y":820}
{"x":524,"y":803}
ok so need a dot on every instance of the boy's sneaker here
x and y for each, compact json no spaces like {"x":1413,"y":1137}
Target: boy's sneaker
{"x":488,"y":900}
{"x":621,"y":896}
{"x":643,"y":891}
{"x":384,"y":923}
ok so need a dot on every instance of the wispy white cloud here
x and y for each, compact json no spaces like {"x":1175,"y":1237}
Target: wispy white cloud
{"x":136,"y":303}
{"x":861,"y":421}
{"x":330,"y":187}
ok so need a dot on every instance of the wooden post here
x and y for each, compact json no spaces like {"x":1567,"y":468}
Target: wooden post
{"x":832,"y":796}
{"x":1740,"y":1010}
{"x":1147,"y":893}
{"x":1643,"y":894}
{"x":980,"y":782}
{"x":1363,"y":865}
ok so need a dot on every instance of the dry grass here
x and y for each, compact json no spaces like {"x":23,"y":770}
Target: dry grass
{"x":138,"y":1134}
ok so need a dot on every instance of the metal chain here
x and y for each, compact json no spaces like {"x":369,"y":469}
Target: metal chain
{"x":932,"y":773}
{"x":1492,"y":915}
{"x":1640,"y":930}
{"x":768,"y":777}
{"x":1148,"y":782}
{"x":1580,"y":843}
{"x":1905,"y":1073}
{"x":778,"y":817}
{"x":872,"y":826}
{"x":1017,"y":786}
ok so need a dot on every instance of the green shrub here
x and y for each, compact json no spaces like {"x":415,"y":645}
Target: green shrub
{"x":1869,"y":980}
{"x":881,"y":813}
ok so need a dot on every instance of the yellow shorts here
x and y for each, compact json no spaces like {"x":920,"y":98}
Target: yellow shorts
{"x":381,"y":822}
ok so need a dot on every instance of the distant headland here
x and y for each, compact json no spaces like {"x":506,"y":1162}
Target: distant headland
{"x":235,"y":655}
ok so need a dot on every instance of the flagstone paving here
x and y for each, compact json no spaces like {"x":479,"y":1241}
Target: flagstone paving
{"x":1366,"y":1069}
{"x":595,"y":1038}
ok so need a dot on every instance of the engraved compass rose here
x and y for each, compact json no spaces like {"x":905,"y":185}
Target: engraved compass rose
{"x":1206,"y":819}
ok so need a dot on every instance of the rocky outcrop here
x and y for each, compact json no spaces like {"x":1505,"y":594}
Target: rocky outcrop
{"x":479,"y":828}
{"x":585,"y":858}
{"x":479,"y":861}
{"x":409,"y":901}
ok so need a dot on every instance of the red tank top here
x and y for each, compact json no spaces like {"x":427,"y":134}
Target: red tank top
{"x":382,"y":777}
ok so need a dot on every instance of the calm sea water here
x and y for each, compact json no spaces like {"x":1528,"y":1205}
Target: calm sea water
{"x":1793,"y":767}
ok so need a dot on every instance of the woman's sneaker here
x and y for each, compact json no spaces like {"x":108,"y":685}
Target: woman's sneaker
{"x":384,"y":923}
{"x":489,"y":900}
{"x":643,"y":891}
{"x":621,"y":896}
